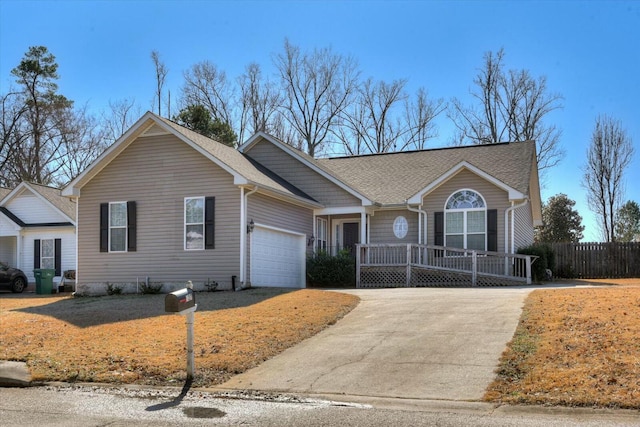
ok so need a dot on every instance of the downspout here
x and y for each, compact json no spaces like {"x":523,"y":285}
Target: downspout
{"x":243,"y":233}
{"x":420,"y":212}
{"x":506,"y":226}
{"x":76,"y":280}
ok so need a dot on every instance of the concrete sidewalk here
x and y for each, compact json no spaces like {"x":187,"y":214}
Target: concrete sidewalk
{"x":401,"y":343}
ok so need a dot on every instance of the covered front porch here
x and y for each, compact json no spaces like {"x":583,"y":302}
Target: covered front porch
{"x":337,"y":229}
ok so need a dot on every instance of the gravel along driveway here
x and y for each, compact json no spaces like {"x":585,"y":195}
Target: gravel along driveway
{"x":413,"y":343}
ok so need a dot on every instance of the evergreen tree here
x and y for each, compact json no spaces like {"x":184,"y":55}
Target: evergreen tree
{"x":561,"y":223}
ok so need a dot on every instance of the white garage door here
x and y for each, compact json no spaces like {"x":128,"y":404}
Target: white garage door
{"x":277,"y":258}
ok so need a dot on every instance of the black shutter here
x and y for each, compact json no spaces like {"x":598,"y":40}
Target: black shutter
{"x":131,"y":227}
{"x":438,"y":224}
{"x":36,"y":253}
{"x":492,"y":230}
{"x":209,"y":222}
{"x":104,"y":227}
{"x":438,"y":232}
{"x":58,"y":257}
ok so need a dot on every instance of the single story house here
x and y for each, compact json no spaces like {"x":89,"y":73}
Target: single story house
{"x":37,"y":229}
{"x":165,"y":205}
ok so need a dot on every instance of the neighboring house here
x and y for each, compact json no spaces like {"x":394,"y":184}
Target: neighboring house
{"x":37,"y":229}
{"x":166,"y":205}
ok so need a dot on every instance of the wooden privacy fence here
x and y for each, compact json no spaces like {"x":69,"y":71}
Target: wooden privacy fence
{"x":597,"y":260}
{"x":411,"y":265}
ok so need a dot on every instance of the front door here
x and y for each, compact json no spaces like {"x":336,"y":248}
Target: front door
{"x":350,"y":235}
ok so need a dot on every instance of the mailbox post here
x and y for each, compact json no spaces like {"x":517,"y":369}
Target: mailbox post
{"x":183,"y":301}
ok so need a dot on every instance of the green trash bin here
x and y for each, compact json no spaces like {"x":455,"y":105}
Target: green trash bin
{"x":46,"y":280}
{"x":38,"y":275}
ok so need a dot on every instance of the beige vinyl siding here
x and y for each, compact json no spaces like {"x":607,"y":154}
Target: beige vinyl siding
{"x":523,"y":227}
{"x":276,"y":213}
{"x":381,"y":227}
{"x":312,"y":183}
{"x":157,"y":173}
{"x":495,"y":198}
{"x":155,"y":129}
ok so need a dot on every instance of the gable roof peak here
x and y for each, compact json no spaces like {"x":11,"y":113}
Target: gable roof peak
{"x":49,"y":194}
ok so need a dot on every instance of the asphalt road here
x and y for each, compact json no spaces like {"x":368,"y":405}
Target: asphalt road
{"x":96,"y":406}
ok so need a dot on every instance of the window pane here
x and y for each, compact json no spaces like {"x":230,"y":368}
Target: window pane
{"x":476,"y":241}
{"x":47,"y":263}
{"x":475,"y":222}
{"x":46,"y":248}
{"x":465,"y":199}
{"x":455,"y":241}
{"x":195,"y":237}
{"x":118,"y":239}
{"x":118,"y":214}
{"x":455,"y":222}
{"x":194,"y":210}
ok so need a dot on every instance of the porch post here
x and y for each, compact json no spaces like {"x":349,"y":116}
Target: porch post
{"x":408,"y":281}
{"x":358,"y":259}
{"x":18,"y":263}
{"x":528,"y":269}
{"x":474,"y":268}
{"x":363,"y":228}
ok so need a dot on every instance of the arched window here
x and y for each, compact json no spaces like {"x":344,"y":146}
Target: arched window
{"x":466,"y":220}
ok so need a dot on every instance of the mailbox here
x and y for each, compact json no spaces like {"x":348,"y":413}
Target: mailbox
{"x":179,"y":301}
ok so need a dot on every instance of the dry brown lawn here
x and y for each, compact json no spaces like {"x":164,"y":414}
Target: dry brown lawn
{"x":575,"y":347}
{"x":130,"y":339}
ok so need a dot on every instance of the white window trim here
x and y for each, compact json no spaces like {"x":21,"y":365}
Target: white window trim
{"x":184,"y":233}
{"x":53,"y":257}
{"x":464,"y":211}
{"x":400,"y":232}
{"x":322,"y":238}
{"x":125,"y":226}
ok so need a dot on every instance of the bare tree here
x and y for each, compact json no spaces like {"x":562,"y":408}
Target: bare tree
{"x":206,"y":85}
{"x":161,"y":74}
{"x":11,"y":119}
{"x":370,"y":123}
{"x":384,"y":118}
{"x":259,"y":102}
{"x":83,"y":140}
{"x":420,"y":114}
{"x":317,"y":87}
{"x":510,"y":106}
{"x":610,"y":152}
{"x":120,"y":117}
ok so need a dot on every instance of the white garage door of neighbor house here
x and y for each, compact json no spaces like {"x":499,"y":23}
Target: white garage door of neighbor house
{"x":277,"y":258}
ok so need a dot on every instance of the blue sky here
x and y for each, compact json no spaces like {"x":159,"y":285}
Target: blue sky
{"x":588,"y":50}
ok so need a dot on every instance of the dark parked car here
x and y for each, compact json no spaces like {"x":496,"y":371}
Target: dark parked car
{"x":12,"y":278}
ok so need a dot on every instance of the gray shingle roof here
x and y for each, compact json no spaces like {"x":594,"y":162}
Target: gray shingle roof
{"x":238,"y":162}
{"x":395,"y":177}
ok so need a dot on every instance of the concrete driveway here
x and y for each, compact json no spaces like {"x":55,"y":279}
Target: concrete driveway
{"x":415,"y":343}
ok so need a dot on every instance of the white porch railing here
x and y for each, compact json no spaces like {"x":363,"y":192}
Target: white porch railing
{"x":410,"y":265}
